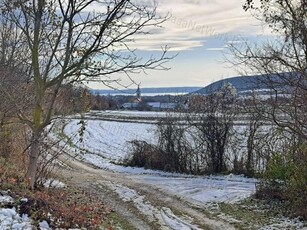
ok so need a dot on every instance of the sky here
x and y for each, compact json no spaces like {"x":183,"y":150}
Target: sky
{"x":198,"y":32}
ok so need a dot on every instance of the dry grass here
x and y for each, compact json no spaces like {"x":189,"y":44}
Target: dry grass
{"x":63,"y":208}
{"x":13,"y":159}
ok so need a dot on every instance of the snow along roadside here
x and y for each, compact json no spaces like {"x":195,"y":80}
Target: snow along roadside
{"x":164,"y":216}
{"x":10,"y":218}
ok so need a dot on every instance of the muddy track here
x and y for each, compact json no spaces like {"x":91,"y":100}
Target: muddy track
{"x":104,"y":185}
{"x":87,"y":180}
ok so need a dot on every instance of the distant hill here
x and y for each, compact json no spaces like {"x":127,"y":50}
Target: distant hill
{"x":243,"y":84}
{"x":149,"y":91}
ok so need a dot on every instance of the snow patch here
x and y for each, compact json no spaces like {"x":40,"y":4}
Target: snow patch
{"x":44,"y":225}
{"x":284,"y":224}
{"x":52,"y":183}
{"x":174,"y":222}
{"x":6,"y":200}
{"x":9,"y":219}
{"x":164,"y":216}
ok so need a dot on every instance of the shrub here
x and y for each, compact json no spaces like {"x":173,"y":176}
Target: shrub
{"x":286,"y":179}
{"x":172,"y":141}
{"x":238,"y":166}
{"x":280,"y":167}
{"x":270,"y":189}
{"x":146,"y":155}
{"x":297,"y":189}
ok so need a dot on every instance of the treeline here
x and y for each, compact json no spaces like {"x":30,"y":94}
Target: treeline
{"x":101,"y":102}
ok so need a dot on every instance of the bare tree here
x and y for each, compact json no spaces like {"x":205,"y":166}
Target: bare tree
{"x":283,"y":60}
{"x":69,"y":41}
{"x":175,"y":145}
{"x":213,"y":122}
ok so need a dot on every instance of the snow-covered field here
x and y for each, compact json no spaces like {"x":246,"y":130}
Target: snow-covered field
{"x":106,"y":142}
{"x":128,"y":114}
{"x":108,"y":139}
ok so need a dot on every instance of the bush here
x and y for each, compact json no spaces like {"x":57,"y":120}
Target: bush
{"x":280,"y":167}
{"x":179,"y":149}
{"x":270,"y":189}
{"x":286,"y":179}
{"x":146,"y":155}
{"x":298,"y":183}
{"x":172,"y":141}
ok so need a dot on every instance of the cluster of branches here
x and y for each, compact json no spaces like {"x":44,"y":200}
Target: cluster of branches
{"x":283,"y":59}
{"x":195,"y":142}
{"x":55,"y":42}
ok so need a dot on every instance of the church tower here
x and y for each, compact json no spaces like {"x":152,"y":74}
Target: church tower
{"x":138,"y":94}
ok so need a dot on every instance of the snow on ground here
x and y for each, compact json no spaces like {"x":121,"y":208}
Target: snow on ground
{"x":164,"y":216}
{"x":44,"y":225}
{"x":6,"y":200}
{"x":174,"y":222}
{"x":202,"y":189}
{"x":107,"y":141}
{"x":52,"y":183}
{"x":284,"y":224}
{"x":10,"y":219}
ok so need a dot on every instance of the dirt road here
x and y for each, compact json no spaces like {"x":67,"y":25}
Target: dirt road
{"x":141,"y":205}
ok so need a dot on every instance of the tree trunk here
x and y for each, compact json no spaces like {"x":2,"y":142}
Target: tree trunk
{"x":34,"y":155}
{"x":251,"y":147}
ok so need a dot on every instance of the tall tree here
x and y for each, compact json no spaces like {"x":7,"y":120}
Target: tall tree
{"x":69,"y":41}
{"x":283,"y":59}
{"x":213,"y":122}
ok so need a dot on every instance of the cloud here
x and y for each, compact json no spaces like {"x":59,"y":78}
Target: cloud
{"x":236,"y":41}
{"x":174,"y":41}
{"x":216,"y":49}
{"x":193,"y":21}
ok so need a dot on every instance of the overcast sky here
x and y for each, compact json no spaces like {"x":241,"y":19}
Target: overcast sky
{"x":199,"y":32}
